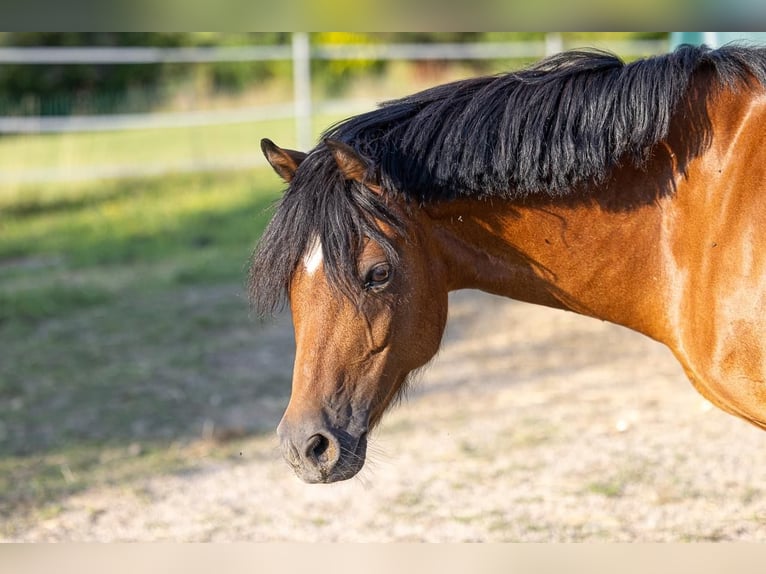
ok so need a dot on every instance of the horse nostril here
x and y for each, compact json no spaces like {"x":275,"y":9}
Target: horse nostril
{"x":319,"y":448}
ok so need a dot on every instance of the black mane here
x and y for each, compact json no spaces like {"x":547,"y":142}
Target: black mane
{"x":569,"y":119}
{"x":565,"y":121}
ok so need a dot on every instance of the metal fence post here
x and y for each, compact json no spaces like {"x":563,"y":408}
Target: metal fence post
{"x":554,"y":43}
{"x":302,"y":89}
{"x":711,"y":39}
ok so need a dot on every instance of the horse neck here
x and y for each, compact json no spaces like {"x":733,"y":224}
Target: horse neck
{"x":591,"y":256}
{"x":619,"y":251}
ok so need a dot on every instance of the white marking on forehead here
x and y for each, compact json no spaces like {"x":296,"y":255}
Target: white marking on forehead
{"x":312,"y":259}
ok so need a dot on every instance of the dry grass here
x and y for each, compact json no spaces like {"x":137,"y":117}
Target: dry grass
{"x":524,"y":429}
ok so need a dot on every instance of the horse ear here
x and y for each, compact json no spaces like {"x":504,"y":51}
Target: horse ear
{"x":351,"y":164}
{"x":284,"y":161}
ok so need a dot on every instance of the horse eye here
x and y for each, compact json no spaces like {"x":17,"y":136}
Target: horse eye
{"x":377,"y":276}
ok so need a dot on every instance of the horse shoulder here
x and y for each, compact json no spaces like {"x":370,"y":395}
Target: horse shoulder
{"x":718,"y":249}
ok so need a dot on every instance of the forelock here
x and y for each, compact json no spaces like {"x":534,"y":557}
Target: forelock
{"x":319,"y":205}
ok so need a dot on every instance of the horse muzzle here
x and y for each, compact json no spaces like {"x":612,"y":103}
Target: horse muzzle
{"x":319,"y":454}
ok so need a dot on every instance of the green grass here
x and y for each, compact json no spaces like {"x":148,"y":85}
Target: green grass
{"x":71,"y":150}
{"x":135,"y":146}
{"x":78,"y":154}
{"x":123,"y":321}
{"x":133,"y":221}
{"x":610,"y":489}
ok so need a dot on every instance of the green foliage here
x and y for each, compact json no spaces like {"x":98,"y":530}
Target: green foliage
{"x":335,"y":75}
{"x":106,"y":88}
{"x":237,"y":76}
{"x":63,"y":89}
{"x":99,"y":89}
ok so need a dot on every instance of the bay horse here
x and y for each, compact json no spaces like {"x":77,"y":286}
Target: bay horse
{"x":634,"y":193}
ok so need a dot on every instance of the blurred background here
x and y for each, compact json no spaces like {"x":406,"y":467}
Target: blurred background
{"x":132,"y":191}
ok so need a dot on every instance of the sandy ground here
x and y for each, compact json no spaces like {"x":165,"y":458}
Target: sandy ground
{"x":531,"y":425}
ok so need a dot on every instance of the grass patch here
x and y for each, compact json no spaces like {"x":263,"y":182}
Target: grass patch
{"x":32,"y":485}
{"x":46,"y":156}
{"x":74,"y":150}
{"x":615,"y":485}
{"x":123,"y":321}
{"x":129,"y":147}
{"x":610,"y":488}
{"x":48,"y":301}
{"x":143,"y":220}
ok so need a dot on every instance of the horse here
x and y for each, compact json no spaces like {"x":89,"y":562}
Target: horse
{"x":632,"y":192}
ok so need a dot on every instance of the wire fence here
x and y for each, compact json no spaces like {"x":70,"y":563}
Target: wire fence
{"x":301,"y":112}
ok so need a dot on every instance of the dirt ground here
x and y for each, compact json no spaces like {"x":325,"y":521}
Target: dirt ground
{"x":531,"y":425}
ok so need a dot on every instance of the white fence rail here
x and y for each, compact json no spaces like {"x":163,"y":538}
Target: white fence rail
{"x":141,"y":55}
{"x":117,"y":122}
{"x":442,"y":51}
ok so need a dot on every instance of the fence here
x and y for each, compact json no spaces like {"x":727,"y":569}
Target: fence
{"x":301,"y":110}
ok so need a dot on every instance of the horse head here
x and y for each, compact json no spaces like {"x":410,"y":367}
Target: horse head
{"x":359,"y":335}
